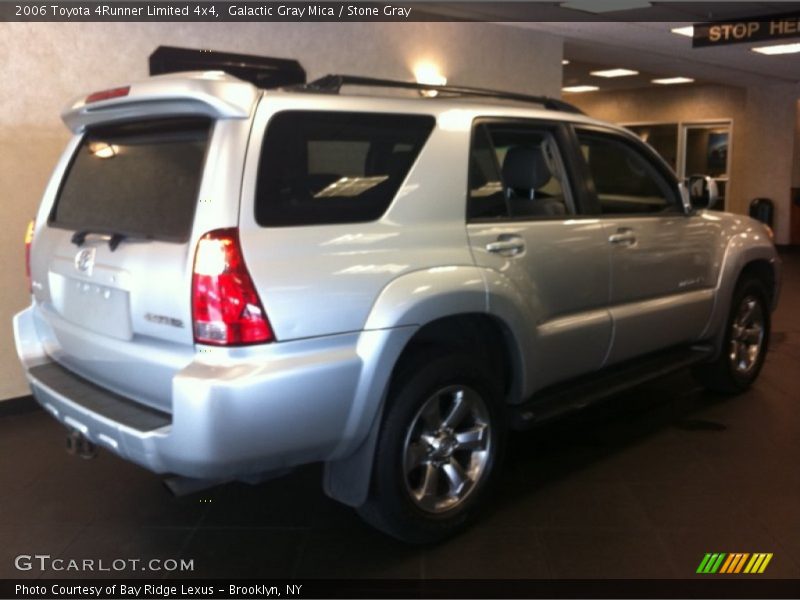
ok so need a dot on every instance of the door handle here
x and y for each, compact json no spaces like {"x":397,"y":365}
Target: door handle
{"x":624,"y":237}
{"x":507,"y":245}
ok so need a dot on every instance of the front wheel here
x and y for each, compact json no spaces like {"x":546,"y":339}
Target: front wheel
{"x":745,"y":344}
{"x":439,"y":447}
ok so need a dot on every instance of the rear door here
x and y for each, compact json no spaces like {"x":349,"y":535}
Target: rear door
{"x":523,"y":223}
{"x":321,"y":181}
{"x":112,"y":259}
{"x":662,"y":259}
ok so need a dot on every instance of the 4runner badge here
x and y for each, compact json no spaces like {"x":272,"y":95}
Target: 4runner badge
{"x":84,"y":261}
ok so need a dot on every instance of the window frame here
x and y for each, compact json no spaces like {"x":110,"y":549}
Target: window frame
{"x":647,"y":153}
{"x":52,"y":221}
{"x":575,"y":193}
{"x":262,"y":139}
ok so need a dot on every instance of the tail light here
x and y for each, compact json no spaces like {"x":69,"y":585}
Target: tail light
{"x":226,"y":309}
{"x":107,"y":94}
{"x":28,"y":242}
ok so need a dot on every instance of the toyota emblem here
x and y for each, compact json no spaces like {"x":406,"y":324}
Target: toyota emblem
{"x":84,"y":261}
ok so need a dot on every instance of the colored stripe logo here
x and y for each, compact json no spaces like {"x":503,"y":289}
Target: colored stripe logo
{"x":734,"y":563}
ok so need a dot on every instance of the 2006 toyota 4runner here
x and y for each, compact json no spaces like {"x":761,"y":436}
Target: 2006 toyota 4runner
{"x":229,"y":281}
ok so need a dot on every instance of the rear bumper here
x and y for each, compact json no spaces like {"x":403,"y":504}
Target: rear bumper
{"x":269,"y":408}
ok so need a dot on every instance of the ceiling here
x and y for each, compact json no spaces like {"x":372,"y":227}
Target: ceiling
{"x":669,"y":10}
{"x":641,"y":39}
{"x":579,"y":73}
{"x":653,"y":48}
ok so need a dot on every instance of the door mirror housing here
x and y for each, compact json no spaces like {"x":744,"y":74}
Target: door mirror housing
{"x":703,"y":191}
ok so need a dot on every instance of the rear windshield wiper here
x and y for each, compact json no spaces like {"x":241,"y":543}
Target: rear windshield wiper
{"x":114,"y":239}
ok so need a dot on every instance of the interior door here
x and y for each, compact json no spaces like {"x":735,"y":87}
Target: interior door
{"x":522,"y":224}
{"x":661,"y":258}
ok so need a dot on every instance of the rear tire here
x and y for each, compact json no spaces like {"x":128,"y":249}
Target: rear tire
{"x":745,"y":344}
{"x":439,"y":448}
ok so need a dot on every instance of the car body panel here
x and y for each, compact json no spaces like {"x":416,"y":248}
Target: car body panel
{"x":211,"y":93}
{"x":349,"y":264}
{"x":137,"y":294}
{"x":661,"y":286}
{"x":557,"y":314}
{"x":284,"y":405}
{"x":346,"y":300}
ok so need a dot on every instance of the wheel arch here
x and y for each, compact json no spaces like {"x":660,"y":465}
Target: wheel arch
{"x":347,"y":477}
{"x":766,"y":272}
{"x":479,"y":332}
{"x":742,"y":259}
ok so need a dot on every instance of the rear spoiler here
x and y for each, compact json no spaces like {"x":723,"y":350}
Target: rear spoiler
{"x":213,"y":93}
{"x":219,"y":84}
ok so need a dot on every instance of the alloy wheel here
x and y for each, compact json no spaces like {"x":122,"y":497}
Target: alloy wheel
{"x":447,"y":449}
{"x":747,"y":335}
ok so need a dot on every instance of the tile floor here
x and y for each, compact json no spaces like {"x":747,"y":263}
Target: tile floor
{"x":640,"y":487}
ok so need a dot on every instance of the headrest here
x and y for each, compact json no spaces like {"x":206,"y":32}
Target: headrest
{"x":525,"y":168}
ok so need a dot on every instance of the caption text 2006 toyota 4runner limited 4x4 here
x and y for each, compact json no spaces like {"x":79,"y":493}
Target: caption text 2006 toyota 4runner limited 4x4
{"x":229,"y":281}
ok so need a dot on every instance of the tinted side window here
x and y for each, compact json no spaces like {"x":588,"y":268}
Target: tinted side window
{"x":486,"y":197}
{"x":334,"y":167}
{"x":516,"y":172}
{"x":625,"y":180}
{"x":139,"y":179}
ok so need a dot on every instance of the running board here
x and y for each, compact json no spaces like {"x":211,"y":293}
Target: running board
{"x":563,"y":398}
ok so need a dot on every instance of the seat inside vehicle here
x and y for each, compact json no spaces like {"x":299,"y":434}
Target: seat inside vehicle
{"x":525,"y":172}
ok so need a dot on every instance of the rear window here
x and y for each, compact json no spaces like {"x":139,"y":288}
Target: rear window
{"x":335,"y":167}
{"x":139,"y":179}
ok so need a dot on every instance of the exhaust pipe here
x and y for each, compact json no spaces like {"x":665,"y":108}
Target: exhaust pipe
{"x":79,"y":445}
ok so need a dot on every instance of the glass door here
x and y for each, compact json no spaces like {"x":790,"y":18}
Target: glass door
{"x":663,"y":137}
{"x":693,"y":148}
{"x":707,"y":151}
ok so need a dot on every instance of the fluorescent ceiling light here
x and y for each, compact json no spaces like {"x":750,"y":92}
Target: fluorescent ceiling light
{"x":778,"y":49}
{"x":687,"y":31}
{"x":614,"y":73}
{"x":604,"y":6}
{"x":673,"y":80}
{"x":577,"y":89}
{"x":565,"y":62}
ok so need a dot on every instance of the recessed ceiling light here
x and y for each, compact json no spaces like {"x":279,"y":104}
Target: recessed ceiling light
{"x":778,"y":49}
{"x":428,"y":73}
{"x":577,"y":89}
{"x":604,"y":6}
{"x":672,"y":80}
{"x":565,"y":62}
{"x":687,"y":31}
{"x":614,"y":73}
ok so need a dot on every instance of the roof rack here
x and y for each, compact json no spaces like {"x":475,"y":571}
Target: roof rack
{"x":332,"y":84}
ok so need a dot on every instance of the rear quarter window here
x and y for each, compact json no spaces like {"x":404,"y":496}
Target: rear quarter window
{"x":334,"y":167}
{"x":139,"y":179}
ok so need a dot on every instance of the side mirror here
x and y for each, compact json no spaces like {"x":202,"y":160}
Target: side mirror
{"x":703,"y":191}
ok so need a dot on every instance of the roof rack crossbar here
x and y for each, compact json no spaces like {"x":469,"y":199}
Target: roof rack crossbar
{"x":333,"y":84}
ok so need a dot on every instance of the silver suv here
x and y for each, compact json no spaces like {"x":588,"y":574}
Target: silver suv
{"x":228,"y":282}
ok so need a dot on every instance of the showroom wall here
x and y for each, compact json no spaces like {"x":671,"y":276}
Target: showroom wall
{"x":45,"y":65}
{"x":763,"y":141}
{"x":796,"y":161}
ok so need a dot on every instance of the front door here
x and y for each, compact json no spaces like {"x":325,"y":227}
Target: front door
{"x":662,"y":259}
